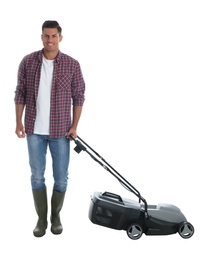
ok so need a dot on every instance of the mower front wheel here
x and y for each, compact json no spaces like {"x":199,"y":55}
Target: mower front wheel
{"x":186,"y":230}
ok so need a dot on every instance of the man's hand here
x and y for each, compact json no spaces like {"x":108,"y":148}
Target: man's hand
{"x":72,"y":132}
{"x":20,"y":132}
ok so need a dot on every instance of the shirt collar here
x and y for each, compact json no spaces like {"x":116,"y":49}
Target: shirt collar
{"x":57,"y":59}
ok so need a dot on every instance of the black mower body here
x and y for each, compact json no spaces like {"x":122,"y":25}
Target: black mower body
{"x":111,"y":210}
{"x":136,"y":217}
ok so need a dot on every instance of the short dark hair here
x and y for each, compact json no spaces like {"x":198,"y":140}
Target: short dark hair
{"x":52,"y":24}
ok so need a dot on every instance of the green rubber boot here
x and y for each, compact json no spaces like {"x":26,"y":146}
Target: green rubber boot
{"x":57,"y":201}
{"x":40,"y":202}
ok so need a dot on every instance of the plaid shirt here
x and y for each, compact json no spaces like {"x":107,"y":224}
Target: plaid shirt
{"x":68,"y":89}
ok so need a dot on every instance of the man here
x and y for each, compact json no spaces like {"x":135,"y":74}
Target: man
{"x":50,"y":83}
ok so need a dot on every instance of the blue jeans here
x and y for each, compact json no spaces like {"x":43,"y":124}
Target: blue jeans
{"x":60,"y":153}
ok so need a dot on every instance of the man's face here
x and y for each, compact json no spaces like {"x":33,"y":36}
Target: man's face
{"x":51,"y":39}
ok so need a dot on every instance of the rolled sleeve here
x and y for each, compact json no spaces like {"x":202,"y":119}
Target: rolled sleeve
{"x":20,"y":92}
{"x":78,"y":87}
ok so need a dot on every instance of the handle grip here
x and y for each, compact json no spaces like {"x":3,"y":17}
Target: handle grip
{"x":112,"y":195}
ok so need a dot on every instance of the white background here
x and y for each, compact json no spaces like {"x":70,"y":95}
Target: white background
{"x":144,"y":67}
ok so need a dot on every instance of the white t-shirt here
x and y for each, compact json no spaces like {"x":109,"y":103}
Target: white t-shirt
{"x":42,"y":121}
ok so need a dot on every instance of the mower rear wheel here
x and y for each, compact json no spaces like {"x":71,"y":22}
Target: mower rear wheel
{"x":134,"y":231}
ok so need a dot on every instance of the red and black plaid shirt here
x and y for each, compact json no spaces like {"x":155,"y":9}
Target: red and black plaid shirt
{"x":68,"y":89}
